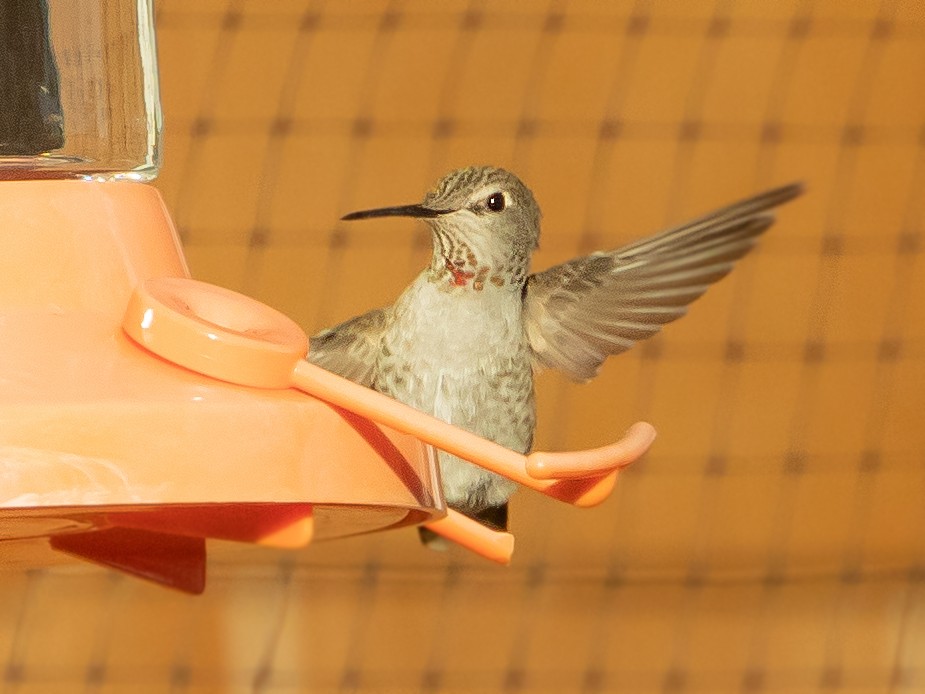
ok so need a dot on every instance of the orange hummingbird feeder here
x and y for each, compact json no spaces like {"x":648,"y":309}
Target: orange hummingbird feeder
{"x":141,"y":411}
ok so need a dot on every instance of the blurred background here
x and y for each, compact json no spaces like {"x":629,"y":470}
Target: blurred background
{"x":774,"y":538}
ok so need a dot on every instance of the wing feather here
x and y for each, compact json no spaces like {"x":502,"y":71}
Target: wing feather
{"x":582,"y":311}
{"x":350,"y":349}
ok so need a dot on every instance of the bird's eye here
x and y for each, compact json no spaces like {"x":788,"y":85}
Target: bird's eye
{"x":495,"y":202}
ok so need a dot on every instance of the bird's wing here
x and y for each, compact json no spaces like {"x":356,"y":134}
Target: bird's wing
{"x":580,"y":312}
{"x":350,"y":349}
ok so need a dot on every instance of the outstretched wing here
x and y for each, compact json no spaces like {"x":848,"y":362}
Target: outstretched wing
{"x":580,"y":312}
{"x":350,"y":349}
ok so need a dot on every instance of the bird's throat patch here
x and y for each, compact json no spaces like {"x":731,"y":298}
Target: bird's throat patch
{"x":460,"y":277}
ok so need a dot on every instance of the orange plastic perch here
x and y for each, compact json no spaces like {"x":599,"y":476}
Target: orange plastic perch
{"x":234,"y":338}
{"x":491,"y":544}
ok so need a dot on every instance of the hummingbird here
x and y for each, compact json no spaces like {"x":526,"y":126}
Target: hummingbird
{"x":465,"y":338}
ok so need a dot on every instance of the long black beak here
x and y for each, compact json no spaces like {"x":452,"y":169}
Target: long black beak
{"x":400,"y":211}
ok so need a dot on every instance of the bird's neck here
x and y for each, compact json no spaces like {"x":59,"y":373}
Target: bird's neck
{"x":459,"y":266}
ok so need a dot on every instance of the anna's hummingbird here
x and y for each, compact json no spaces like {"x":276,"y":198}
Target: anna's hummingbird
{"x":462,"y":342}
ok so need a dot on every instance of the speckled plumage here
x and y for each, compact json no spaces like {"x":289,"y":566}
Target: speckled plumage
{"x":462,"y":356}
{"x":463,"y":340}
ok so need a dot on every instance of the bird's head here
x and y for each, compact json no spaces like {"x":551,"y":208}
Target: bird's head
{"x":485,"y":225}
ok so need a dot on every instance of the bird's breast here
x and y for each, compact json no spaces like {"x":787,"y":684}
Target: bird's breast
{"x":463,"y":358}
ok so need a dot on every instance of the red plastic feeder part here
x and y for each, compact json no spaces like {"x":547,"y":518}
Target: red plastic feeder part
{"x":113,"y":455}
